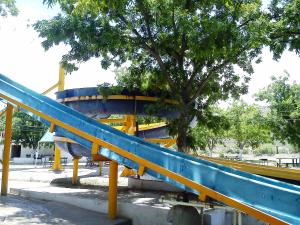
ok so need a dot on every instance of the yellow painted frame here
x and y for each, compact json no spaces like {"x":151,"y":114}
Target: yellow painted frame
{"x":183,"y":180}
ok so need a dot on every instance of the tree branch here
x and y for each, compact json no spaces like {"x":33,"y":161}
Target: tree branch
{"x":153,"y":52}
{"x":211,"y":73}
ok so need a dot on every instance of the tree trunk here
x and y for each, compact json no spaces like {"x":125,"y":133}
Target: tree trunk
{"x":211,"y":146}
{"x":241,"y":146}
{"x":182,"y":130}
{"x":182,"y":139}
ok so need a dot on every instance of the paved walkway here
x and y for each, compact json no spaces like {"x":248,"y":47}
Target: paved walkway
{"x":92,"y":193}
{"x":16,"y":211}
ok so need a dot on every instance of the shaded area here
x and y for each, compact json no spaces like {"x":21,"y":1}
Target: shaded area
{"x":15,"y":211}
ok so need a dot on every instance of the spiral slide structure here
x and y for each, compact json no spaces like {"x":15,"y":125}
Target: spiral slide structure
{"x":95,"y":106}
{"x":269,"y":200}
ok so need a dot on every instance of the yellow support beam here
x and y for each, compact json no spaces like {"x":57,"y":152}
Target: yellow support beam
{"x":50,"y":89}
{"x":61,"y":80}
{"x":129,"y":124}
{"x":6,"y":150}
{"x":95,"y":148}
{"x":75,"y":171}
{"x":61,"y":86}
{"x":113,"y":190}
{"x":52,"y":127}
{"x":159,"y":169}
{"x":202,"y":197}
{"x":57,"y":163}
{"x":141,"y":171}
{"x":127,"y":172}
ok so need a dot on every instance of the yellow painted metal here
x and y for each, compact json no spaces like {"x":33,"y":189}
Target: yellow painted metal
{"x":166,"y":142}
{"x":170,"y":144}
{"x":129,"y":128}
{"x":120,"y":120}
{"x":116,"y":97}
{"x":129,"y":124}
{"x":57,"y":164}
{"x":113,"y":190}
{"x":95,"y":148}
{"x":61,"y":86}
{"x":61,"y":80}
{"x":269,"y":171}
{"x":2,"y":113}
{"x":75,"y":171}
{"x":52,"y":127}
{"x":141,"y":171}
{"x":127,"y":172}
{"x":100,"y":168}
{"x":183,"y":180}
{"x":151,"y":126}
{"x":141,"y":127}
{"x":50,"y":89}
{"x":6,"y":150}
{"x":202,"y":197}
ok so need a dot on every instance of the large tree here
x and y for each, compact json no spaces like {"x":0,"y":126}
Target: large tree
{"x":192,"y":48}
{"x":283,"y":99}
{"x":212,"y":132}
{"x":27,"y":131}
{"x":248,"y":126}
{"x":8,"y":7}
{"x":285,"y":27}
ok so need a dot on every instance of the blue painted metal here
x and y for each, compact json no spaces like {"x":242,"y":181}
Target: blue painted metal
{"x":273,"y":197}
{"x":79,"y":151}
{"x":98,"y":108}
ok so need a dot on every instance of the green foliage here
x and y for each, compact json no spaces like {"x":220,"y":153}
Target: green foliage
{"x":26,"y":130}
{"x":284,"y":30}
{"x":248,"y":126}
{"x":189,"y":48}
{"x":284,"y":115}
{"x":213,"y":131}
{"x":265,"y":149}
{"x":107,"y":89}
{"x":8,"y":7}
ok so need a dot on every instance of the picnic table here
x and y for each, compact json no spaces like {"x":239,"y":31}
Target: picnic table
{"x":287,"y":161}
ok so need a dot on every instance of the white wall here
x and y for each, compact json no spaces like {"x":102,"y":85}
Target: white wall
{"x":42,"y":151}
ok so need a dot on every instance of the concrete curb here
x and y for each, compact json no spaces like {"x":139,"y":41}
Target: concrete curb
{"x":140,"y":214}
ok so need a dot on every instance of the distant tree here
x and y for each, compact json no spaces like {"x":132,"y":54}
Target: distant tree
{"x":213,"y":132}
{"x":283,"y":99}
{"x":188,"y":47}
{"x":247,"y":125}
{"x":26,"y":130}
{"x":8,"y":7}
{"x":284,"y":29}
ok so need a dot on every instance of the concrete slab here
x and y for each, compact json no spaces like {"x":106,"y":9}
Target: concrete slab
{"x":16,"y":211}
{"x":143,"y":208}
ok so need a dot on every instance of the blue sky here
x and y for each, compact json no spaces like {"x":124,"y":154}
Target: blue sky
{"x":23,"y":59}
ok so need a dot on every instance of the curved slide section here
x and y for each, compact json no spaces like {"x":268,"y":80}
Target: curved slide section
{"x":272,"y":201}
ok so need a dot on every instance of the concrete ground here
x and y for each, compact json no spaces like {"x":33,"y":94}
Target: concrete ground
{"x":92,"y":193}
{"x":15,"y":211}
{"x":57,"y":200}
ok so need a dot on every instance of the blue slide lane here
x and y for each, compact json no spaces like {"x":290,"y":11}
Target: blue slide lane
{"x":279,"y":199}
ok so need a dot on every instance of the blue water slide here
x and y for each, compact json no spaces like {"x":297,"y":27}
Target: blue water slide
{"x":272,"y":197}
